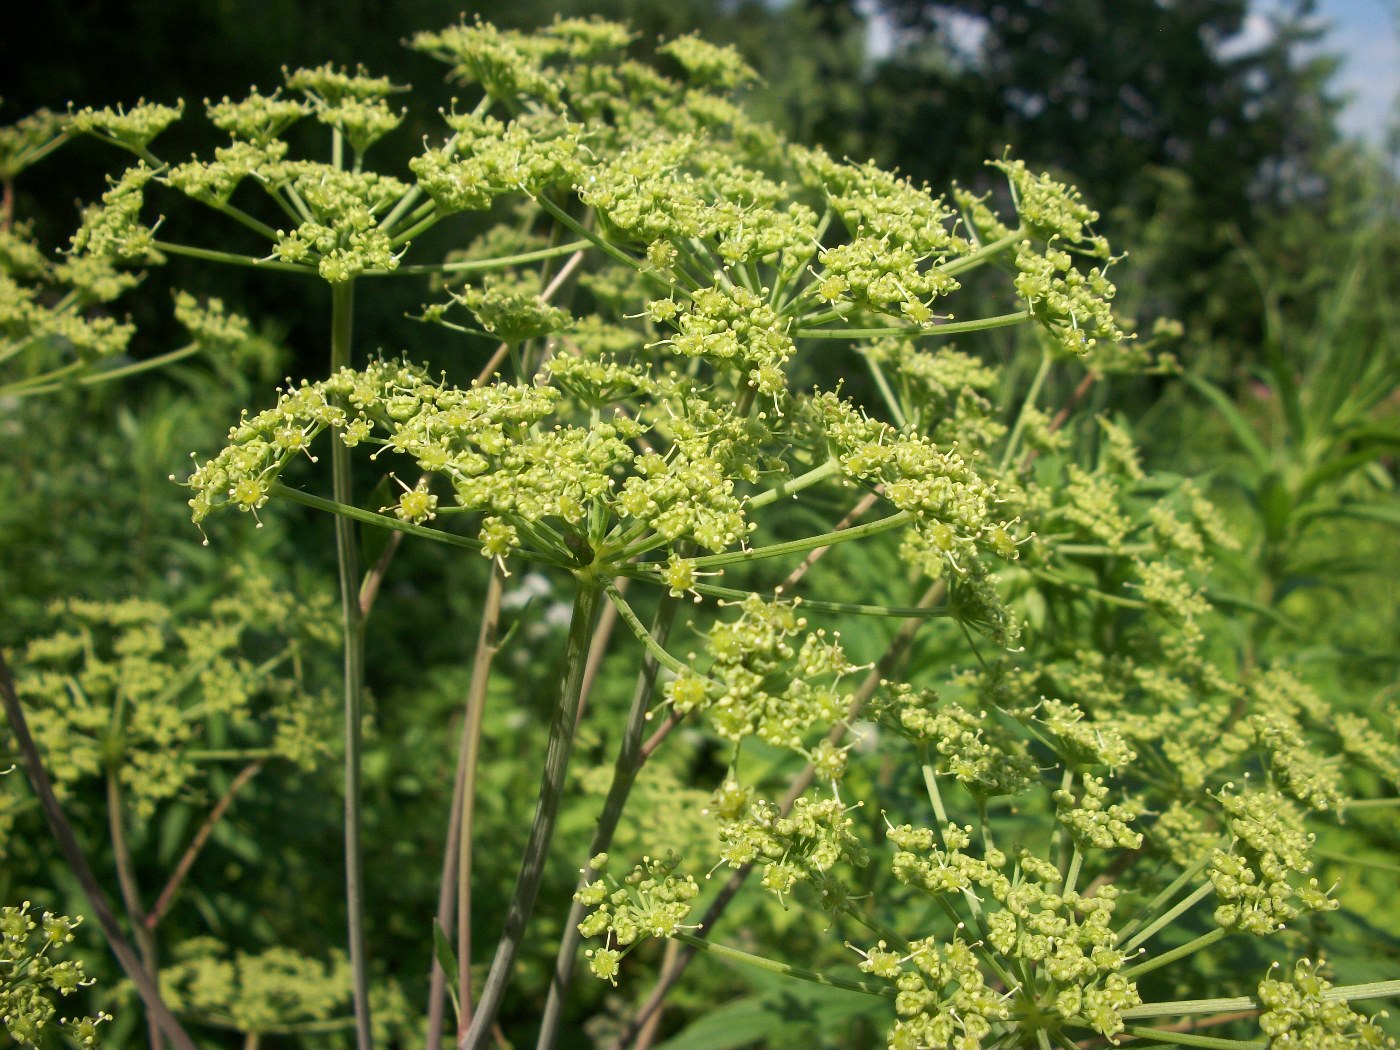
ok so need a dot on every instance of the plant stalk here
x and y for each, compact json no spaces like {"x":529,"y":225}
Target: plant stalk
{"x":487,"y":643}
{"x":131,"y":895}
{"x":629,"y":762}
{"x":353,"y":625}
{"x":588,"y":594}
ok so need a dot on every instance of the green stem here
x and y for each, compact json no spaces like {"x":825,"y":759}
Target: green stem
{"x":242,"y":217}
{"x":1032,"y":395}
{"x":483,"y":265}
{"x":232,"y":259}
{"x":45,"y":380}
{"x":385,"y":521}
{"x":401,"y":206}
{"x":914,"y":331}
{"x":1205,"y":940}
{"x":587,"y":597}
{"x":352,"y":623}
{"x":826,"y":539}
{"x":105,"y":375}
{"x":426,"y":223}
{"x":1344,"y":993}
{"x":1168,"y":893}
{"x":1076,"y":858}
{"x":231,"y":755}
{"x":629,"y":761}
{"x":883,"y":385}
{"x":647,"y":574}
{"x":1095,"y":550}
{"x":885,"y":991}
{"x":792,"y":486}
{"x":603,"y":245}
{"x":1370,"y":803}
{"x":1182,"y":906}
{"x":982,"y":254}
{"x":1190,"y":1039}
{"x":629,"y":616}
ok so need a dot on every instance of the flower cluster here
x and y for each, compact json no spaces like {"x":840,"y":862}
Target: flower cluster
{"x":649,"y":901}
{"x":128,"y":689}
{"x":1298,"y":1013}
{"x":770,"y":678}
{"x":267,"y":991}
{"x":31,"y":971}
{"x":803,"y":847}
{"x":1061,"y":942}
{"x":944,"y":998}
{"x":970,"y":746}
{"x":1253,"y":880}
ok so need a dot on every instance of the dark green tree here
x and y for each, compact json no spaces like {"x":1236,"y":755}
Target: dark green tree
{"x":1165,"y":114}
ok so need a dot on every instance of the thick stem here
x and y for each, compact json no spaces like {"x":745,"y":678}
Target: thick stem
{"x":143,"y":982}
{"x":353,"y":625}
{"x":625,"y":769}
{"x":587,"y":596}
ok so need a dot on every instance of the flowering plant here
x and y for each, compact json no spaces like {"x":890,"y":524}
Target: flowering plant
{"x":1083,"y":795}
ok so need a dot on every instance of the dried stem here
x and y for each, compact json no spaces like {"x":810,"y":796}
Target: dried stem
{"x":487,"y":644}
{"x":192,"y":851}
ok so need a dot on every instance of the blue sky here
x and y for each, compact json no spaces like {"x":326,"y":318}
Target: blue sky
{"x":1366,"y":34}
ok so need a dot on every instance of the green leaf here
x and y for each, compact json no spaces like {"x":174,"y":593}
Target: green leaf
{"x":1229,"y":601}
{"x":1387,"y":513}
{"x":447,"y":959}
{"x":1239,"y":425}
{"x":769,"y":1019}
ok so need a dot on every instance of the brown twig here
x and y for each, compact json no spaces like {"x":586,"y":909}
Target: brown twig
{"x":186,"y":862}
{"x":62,"y":831}
{"x":487,"y":644}
{"x":374,"y":579}
{"x":455,"y":887}
{"x":1090,"y":378}
{"x":660,"y":734}
{"x":856,"y":513}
